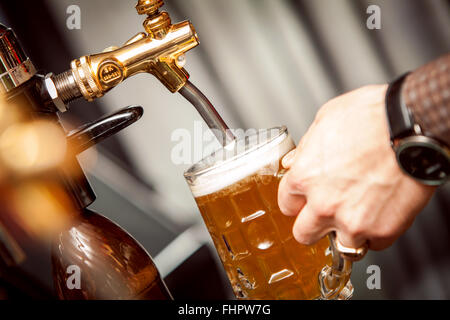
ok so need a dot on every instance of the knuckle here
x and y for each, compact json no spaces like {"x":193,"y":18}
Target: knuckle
{"x":353,"y":227}
{"x":282,"y":189}
{"x":323,"y":207}
{"x":385,"y":232}
{"x":295,"y":182}
{"x":302,"y":233}
{"x":323,"y":212}
{"x":282,"y":206}
{"x":300,"y":237}
{"x":285,"y":209}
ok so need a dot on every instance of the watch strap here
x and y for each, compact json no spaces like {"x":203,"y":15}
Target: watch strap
{"x":398,"y":115}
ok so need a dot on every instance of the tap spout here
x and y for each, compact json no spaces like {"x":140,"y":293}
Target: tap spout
{"x":208,"y":113}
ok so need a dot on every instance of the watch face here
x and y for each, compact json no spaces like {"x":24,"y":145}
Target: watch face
{"x":425,"y":161}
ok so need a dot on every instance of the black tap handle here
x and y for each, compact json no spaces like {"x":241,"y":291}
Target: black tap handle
{"x":92,"y":133}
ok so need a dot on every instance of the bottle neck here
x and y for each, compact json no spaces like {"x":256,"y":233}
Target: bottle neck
{"x":77,"y":184}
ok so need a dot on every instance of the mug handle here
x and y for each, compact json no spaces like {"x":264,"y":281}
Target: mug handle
{"x":333,"y":279}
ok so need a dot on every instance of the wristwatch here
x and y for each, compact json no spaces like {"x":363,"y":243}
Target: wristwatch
{"x":421,"y":156}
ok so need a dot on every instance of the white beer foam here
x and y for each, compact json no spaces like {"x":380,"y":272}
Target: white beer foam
{"x":219,"y":176}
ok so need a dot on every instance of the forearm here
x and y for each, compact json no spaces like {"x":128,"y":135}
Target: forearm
{"x":426,"y":92}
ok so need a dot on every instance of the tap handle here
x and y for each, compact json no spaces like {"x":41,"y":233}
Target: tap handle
{"x":92,"y":133}
{"x":149,"y":7}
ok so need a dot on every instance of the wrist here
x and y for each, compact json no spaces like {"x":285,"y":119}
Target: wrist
{"x":420,"y":156}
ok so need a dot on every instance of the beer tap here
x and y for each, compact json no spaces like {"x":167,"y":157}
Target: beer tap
{"x":45,"y":195}
{"x":159,"y":51}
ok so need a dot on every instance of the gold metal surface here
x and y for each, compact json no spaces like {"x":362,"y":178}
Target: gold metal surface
{"x":352,"y":254}
{"x":159,"y":51}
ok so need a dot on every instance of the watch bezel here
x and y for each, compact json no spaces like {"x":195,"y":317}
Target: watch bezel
{"x":400,"y":145}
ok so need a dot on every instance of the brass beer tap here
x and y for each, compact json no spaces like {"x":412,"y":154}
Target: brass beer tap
{"x":159,"y":51}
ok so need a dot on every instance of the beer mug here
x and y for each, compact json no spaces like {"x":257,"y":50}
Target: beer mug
{"x":236,"y":192}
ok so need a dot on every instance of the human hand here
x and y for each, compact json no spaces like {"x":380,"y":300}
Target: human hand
{"x":344,"y":176}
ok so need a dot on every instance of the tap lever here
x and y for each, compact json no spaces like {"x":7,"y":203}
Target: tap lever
{"x":149,"y":7}
{"x":92,"y":133}
{"x":137,"y":37}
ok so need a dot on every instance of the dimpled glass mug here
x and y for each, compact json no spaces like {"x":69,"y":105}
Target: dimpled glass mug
{"x":236,"y":191}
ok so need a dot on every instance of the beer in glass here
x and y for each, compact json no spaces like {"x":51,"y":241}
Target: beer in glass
{"x":236,"y":191}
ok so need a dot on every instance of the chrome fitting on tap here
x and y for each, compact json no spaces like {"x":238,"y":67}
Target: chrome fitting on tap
{"x":62,"y":89}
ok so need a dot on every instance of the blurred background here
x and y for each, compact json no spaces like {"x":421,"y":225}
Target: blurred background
{"x":263,"y":63}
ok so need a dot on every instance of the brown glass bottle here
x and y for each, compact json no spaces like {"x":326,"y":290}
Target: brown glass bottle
{"x":110,"y":264}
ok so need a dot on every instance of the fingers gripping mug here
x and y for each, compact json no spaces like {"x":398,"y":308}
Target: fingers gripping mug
{"x":236,"y":191}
